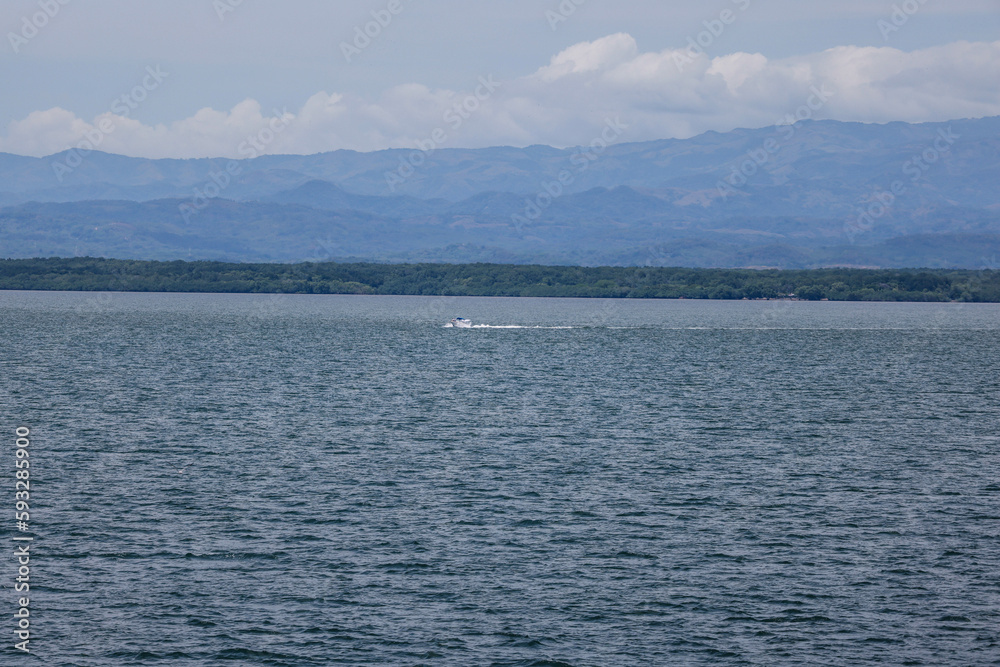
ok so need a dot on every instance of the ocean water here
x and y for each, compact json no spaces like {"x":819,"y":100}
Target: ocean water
{"x":297,"y":480}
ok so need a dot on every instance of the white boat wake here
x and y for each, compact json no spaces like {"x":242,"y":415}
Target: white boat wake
{"x":502,"y":326}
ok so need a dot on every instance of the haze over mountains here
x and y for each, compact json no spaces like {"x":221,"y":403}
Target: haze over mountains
{"x":818,"y":193}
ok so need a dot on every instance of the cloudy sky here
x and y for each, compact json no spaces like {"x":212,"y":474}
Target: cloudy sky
{"x":197,"y":78}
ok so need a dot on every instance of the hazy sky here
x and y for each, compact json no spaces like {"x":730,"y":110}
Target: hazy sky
{"x":194,"y":78}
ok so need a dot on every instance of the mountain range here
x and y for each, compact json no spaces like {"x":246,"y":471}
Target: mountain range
{"x":817,"y":193}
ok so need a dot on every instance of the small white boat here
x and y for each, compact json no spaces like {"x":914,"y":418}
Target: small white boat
{"x":462,"y":323}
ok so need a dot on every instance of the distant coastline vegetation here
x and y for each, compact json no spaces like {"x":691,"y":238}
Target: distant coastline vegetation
{"x":835,"y":284}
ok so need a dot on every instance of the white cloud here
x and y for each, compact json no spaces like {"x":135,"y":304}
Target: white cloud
{"x":591,"y":56}
{"x":567,"y":102}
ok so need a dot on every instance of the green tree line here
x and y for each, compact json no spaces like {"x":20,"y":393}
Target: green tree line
{"x":834,"y":284}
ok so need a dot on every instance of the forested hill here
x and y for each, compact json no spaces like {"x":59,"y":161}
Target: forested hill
{"x":93,"y":274}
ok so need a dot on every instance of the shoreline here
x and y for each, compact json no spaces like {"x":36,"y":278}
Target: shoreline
{"x":88,"y":274}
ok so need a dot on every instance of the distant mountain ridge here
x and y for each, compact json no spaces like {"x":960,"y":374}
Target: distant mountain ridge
{"x":813,"y":194}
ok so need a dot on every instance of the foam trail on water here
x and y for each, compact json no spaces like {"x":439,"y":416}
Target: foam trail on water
{"x":513,"y":326}
{"x":503,"y":326}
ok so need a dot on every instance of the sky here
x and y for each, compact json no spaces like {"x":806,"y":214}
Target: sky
{"x":240,"y":78}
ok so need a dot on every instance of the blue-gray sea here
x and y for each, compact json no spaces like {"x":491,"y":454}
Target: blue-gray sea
{"x":316,"y":480}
